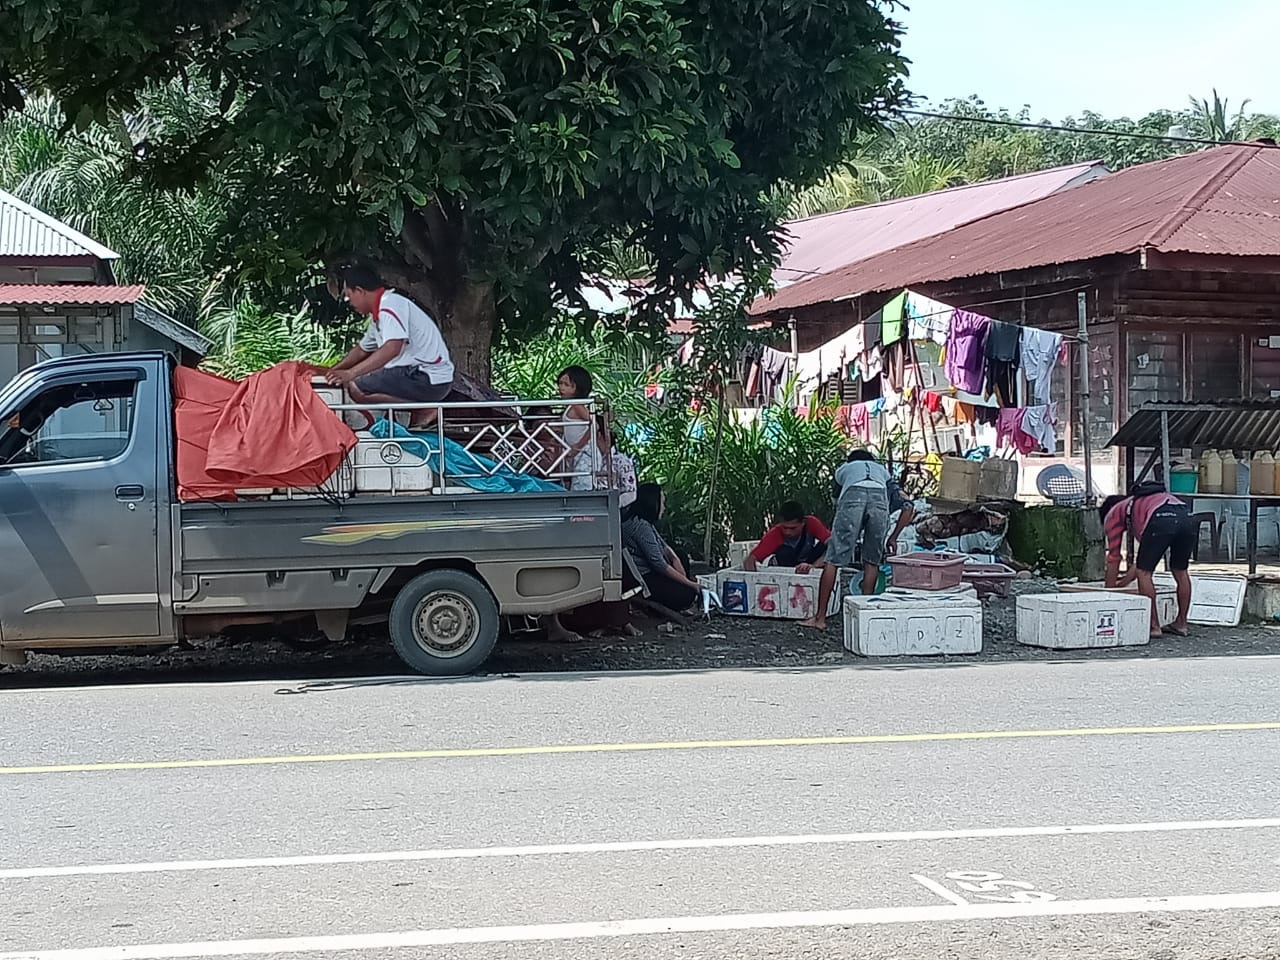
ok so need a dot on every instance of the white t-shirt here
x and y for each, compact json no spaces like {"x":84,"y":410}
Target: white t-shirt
{"x":399,"y":318}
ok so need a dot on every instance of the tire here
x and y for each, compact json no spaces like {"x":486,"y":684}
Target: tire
{"x":444,"y":623}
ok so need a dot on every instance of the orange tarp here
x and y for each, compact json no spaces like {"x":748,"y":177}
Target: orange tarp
{"x":269,"y":430}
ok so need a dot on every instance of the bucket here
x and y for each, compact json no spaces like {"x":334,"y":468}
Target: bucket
{"x":1183,"y":481}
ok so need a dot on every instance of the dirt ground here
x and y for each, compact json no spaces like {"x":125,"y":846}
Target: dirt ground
{"x":704,"y":644}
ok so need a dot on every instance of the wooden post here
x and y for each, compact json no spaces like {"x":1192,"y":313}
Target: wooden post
{"x":1086,"y":440}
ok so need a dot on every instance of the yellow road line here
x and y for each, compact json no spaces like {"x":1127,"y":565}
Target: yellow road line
{"x":574,"y":748}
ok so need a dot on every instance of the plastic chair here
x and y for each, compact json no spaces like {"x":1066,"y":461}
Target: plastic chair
{"x":1062,"y":485}
{"x":1235,"y":524}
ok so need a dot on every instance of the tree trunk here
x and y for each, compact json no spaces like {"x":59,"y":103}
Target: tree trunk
{"x":468,"y":329}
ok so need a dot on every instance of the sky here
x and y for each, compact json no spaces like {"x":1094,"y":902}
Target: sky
{"x":1115,"y":57}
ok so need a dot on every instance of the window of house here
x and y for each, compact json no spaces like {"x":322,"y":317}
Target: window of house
{"x":1215,"y":369}
{"x":1154,"y":373}
{"x":1264,"y":354}
{"x":90,"y":420}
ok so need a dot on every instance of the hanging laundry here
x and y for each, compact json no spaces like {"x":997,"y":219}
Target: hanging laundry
{"x":856,"y":421}
{"x":1009,"y":430}
{"x":964,"y":413}
{"x":1004,"y":353}
{"x":872,"y":364}
{"x":891,"y":320}
{"x":1040,"y":350}
{"x":932,"y":401}
{"x":949,"y":406}
{"x":986,"y":416}
{"x":753,"y":380}
{"x":895,"y":364}
{"x":927,"y":319}
{"x":966,"y":346}
{"x":876,"y":407}
{"x":773,"y":371}
{"x":1038,"y":423}
{"x":892,"y":399}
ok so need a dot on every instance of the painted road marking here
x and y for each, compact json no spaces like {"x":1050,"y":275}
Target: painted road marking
{"x":634,"y":846}
{"x":933,"y":886}
{"x":661,"y":925}
{"x":581,"y":748}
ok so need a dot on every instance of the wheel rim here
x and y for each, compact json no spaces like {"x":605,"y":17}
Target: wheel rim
{"x":446,"y":624}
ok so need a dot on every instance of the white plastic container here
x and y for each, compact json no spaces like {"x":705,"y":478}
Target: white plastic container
{"x":777,"y":593}
{"x":1216,"y":600}
{"x":1080,"y":621}
{"x":913,"y":624}
{"x":386,"y":466}
{"x":1166,"y":596}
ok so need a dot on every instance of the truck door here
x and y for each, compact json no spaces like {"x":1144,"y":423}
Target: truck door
{"x":78,"y":502}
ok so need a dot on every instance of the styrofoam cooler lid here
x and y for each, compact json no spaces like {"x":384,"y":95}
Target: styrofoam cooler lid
{"x":918,"y":599}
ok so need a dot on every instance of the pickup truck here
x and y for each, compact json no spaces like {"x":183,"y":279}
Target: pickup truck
{"x":100,"y":553}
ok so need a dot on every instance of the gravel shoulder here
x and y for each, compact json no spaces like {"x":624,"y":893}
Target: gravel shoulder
{"x":721,"y":642}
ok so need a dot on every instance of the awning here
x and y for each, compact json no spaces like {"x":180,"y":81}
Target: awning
{"x":1219,"y":425}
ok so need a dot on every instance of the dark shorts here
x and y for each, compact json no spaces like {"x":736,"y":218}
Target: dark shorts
{"x":1170,"y":530}
{"x":407,"y":384}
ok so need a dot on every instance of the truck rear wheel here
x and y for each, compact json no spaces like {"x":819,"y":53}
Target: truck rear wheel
{"x":444,"y":623}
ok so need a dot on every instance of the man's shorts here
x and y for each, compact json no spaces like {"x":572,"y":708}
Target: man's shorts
{"x":1170,"y":529}
{"x":406,"y":384}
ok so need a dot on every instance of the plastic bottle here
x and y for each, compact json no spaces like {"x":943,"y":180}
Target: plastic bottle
{"x":1229,"y":471}
{"x":1262,"y":474}
{"x":1211,"y":472}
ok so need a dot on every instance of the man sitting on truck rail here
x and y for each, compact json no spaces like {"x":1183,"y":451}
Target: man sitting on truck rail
{"x":402,"y":357}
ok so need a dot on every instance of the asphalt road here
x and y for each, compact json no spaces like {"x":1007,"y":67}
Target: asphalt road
{"x":1104,"y":809}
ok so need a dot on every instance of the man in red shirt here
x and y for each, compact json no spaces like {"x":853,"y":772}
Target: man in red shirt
{"x":1161,"y":523}
{"x":797,"y":540}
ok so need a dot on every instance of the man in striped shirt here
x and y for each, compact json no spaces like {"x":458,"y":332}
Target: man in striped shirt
{"x":1162,"y":524}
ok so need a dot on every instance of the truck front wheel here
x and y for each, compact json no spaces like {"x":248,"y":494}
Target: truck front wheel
{"x":444,"y":623}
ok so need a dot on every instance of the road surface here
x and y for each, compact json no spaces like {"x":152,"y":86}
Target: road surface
{"x":1000,"y":810}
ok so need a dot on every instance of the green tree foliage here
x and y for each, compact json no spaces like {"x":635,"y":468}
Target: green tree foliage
{"x":486,"y":152}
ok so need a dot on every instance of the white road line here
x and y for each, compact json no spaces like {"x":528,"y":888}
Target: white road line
{"x":933,"y":886}
{"x":658,"y":925}
{"x":632,"y":846}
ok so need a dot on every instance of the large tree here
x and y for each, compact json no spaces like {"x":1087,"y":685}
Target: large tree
{"x":487,"y":153}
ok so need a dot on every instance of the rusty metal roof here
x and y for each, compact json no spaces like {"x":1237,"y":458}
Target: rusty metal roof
{"x":829,"y":241}
{"x":1221,"y":425}
{"x":27,"y":232}
{"x":1221,"y":201}
{"x":68,"y":294}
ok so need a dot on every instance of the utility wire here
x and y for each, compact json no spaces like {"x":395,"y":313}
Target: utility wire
{"x":1028,"y":125}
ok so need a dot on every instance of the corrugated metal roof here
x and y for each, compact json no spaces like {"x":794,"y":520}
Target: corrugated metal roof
{"x":829,"y":241}
{"x":175,"y":330}
{"x":76,"y":294}
{"x":1220,"y":201}
{"x":1222,"y":425}
{"x":27,"y":232}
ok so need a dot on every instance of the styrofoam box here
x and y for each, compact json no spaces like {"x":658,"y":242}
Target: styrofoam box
{"x":1216,"y":600}
{"x":1166,"y":596}
{"x":774,"y":592}
{"x":922,"y":624}
{"x":1076,"y":621}
{"x":384,"y":465}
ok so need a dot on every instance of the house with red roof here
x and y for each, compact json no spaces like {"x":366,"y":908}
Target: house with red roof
{"x":1179,"y":262}
{"x":59,"y":296}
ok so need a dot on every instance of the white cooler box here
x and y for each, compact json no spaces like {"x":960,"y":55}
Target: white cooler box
{"x":960,"y":589}
{"x":382,"y":466}
{"x":738,"y":550}
{"x":1166,"y":596}
{"x":914,"y":623}
{"x":774,"y":592}
{"x":1078,"y":621}
{"x":1216,"y":599}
